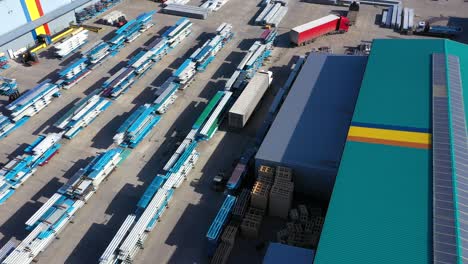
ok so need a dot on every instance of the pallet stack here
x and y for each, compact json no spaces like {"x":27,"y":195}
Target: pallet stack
{"x":304,"y":228}
{"x":281,"y":193}
{"x":251,"y":223}
{"x":228,"y":238}
{"x":262,"y":187}
{"x":242,"y":203}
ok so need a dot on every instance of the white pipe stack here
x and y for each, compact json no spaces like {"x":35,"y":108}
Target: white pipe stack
{"x":70,"y":44}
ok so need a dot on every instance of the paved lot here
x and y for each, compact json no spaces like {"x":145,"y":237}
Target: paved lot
{"x":179,"y":237}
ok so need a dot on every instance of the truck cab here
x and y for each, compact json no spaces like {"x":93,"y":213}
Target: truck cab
{"x":218,"y":182}
{"x":421,"y":26}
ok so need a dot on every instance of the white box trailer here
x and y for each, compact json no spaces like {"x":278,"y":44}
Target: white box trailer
{"x":244,"y":106}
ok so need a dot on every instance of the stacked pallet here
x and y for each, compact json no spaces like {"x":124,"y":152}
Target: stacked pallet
{"x":304,"y":228}
{"x":266,"y":171}
{"x":241,"y":205}
{"x":251,"y":223}
{"x":261,"y":189}
{"x":281,"y":193}
{"x":228,"y":238}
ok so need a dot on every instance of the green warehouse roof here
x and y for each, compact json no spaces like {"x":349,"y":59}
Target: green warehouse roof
{"x":381,"y":206}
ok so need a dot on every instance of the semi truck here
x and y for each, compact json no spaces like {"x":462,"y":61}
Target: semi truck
{"x":424,"y":28}
{"x":306,"y":33}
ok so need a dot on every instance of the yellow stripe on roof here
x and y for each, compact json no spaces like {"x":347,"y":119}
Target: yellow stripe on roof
{"x":390,"y":135}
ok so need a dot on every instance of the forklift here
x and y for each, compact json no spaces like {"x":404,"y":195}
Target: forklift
{"x":30,"y":57}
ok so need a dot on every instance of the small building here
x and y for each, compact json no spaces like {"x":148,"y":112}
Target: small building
{"x":309,"y":132}
{"x":278,"y":253}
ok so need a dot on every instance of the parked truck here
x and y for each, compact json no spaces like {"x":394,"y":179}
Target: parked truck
{"x":306,"y":33}
{"x":353,"y":12}
{"x":248,"y":100}
{"x":424,"y":28}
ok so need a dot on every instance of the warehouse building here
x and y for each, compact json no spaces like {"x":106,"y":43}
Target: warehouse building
{"x":401,"y":191}
{"x":24,"y":20}
{"x":309,"y":132}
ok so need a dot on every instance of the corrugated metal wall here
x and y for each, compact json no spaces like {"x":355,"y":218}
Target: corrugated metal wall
{"x":62,"y":22}
{"x":50,"y":5}
{"x":15,"y":13}
{"x":11,"y":15}
{"x":23,"y":41}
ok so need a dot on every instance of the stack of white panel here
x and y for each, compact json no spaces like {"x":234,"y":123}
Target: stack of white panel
{"x":214,"y":5}
{"x":179,"y":2}
{"x":45,"y":144}
{"x":264,"y":13}
{"x":276,"y":18}
{"x":112,"y":17}
{"x":77,"y":69}
{"x":179,"y":33}
{"x":111,"y":164}
{"x":70,"y":44}
{"x":182,"y":147}
{"x":186,"y":75}
{"x":31,"y":103}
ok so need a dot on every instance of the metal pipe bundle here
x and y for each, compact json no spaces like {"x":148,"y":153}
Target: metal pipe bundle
{"x":137,"y":126}
{"x":82,"y":114}
{"x":165,"y":95}
{"x":19,"y":169}
{"x":119,"y":83}
{"x":69,"y":45}
{"x":125,"y":244}
{"x":34,"y":100}
{"x":252,"y":61}
{"x":98,"y":52}
{"x":186,"y":11}
{"x":56,"y":213}
{"x":185,"y":72}
{"x":204,"y":55}
{"x":7,"y":125}
{"x":73,"y":73}
{"x":272,"y":14}
{"x":214,"y":5}
{"x":178,"y":32}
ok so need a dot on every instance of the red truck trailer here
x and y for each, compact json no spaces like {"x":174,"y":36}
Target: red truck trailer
{"x":330,"y":24}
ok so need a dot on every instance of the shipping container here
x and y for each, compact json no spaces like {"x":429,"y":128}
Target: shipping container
{"x":326,"y":25}
{"x":244,"y":106}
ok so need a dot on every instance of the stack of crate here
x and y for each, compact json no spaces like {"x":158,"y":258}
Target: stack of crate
{"x":228,"y":238}
{"x":241,"y":205}
{"x":281,"y":194}
{"x":304,"y":228}
{"x":250,"y":225}
{"x":261,"y":188}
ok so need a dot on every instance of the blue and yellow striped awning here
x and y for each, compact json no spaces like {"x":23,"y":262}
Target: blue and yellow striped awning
{"x":390,"y":135}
